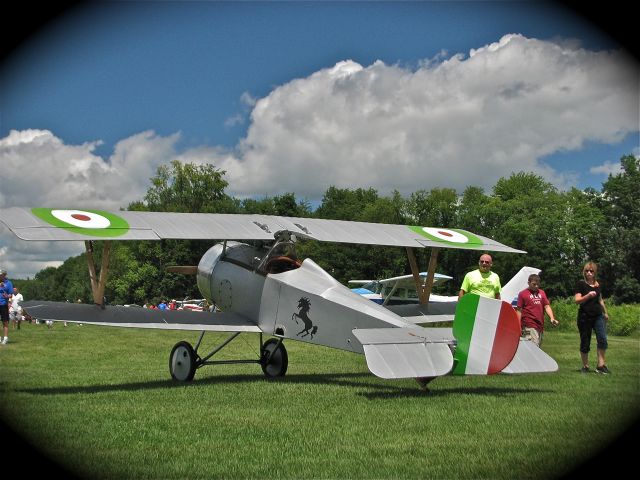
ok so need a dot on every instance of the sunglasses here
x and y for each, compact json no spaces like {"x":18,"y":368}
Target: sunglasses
{"x":589,"y":270}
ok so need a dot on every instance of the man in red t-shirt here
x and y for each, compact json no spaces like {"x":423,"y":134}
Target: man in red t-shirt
{"x":532,"y":303}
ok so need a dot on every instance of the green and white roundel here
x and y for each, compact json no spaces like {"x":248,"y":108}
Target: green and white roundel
{"x":449,"y":236}
{"x":97,"y":223}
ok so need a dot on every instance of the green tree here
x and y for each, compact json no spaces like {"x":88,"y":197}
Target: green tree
{"x":189,"y":188}
{"x":620,"y":264}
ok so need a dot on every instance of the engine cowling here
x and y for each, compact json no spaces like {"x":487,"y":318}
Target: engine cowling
{"x":205,"y":270}
{"x":226,"y":276}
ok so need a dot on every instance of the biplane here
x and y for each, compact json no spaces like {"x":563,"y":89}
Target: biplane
{"x":395,"y":290}
{"x":255,"y":278}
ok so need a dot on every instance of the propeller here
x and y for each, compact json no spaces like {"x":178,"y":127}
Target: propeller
{"x":183,"y":269}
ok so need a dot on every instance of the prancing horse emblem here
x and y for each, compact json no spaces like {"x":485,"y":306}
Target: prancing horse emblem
{"x":304,"y":305}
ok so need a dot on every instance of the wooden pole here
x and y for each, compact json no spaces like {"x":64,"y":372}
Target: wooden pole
{"x":424,"y":291}
{"x":98,"y":284}
{"x":104,"y":271}
{"x":431,"y":273}
{"x":415,"y":271}
{"x":88,"y":245}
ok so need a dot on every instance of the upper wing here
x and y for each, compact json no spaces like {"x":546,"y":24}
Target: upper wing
{"x":119,"y":316}
{"x":58,"y":224}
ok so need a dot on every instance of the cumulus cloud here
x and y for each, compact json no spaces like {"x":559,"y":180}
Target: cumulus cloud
{"x":607,"y":168}
{"x":40,"y":169}
{"x":466,"y":119}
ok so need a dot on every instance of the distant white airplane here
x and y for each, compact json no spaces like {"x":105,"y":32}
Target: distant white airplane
{"x":262,"y":287}
{"x":395,"y":290}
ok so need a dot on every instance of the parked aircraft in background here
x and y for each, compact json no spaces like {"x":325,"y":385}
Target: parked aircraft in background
{"x":396,"y":290}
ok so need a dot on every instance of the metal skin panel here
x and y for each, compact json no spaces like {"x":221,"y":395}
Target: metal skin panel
{"x":314,"y":307}
{"x":236,"y":289}
{"x":409,"y":360}
{"x":269,"y":308}
{"x":530,"y":358}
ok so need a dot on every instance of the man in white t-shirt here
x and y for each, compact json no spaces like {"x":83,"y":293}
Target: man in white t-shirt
{"x":15,"y":310}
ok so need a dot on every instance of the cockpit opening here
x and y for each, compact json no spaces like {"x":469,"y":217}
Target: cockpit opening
{"x":281,"y":258}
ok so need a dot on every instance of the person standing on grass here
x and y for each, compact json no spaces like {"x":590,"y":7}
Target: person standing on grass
{"x":16,"y":308}
{"x":531,"y":307}
{"x":592,"y":316}
{"x":482,"y":281}
{"x":6,"y":291}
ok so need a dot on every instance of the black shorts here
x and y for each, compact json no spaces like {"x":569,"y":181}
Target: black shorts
{"x":4,"y":313}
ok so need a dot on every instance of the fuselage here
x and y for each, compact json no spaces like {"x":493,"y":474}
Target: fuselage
{"x":287,"y":298}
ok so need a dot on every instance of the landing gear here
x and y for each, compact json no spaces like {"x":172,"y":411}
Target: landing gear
{"x":184,"y":359}
{"x":274,"y":361}
{"x":182,"y":362}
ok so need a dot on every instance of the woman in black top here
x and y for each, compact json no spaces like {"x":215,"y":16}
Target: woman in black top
{"x":592,"y":316}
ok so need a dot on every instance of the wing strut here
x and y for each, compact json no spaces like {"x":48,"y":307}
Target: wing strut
{"x":424,"y":292}
{"x":98,"y":284}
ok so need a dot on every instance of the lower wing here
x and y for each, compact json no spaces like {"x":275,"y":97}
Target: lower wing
{"x":132,"y":317}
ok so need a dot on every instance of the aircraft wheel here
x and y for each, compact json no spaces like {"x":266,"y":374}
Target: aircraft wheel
{"x":182,"y":362}
{"x":278,"y":358}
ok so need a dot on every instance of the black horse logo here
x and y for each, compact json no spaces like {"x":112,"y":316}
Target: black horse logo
{"x":304,"y":305}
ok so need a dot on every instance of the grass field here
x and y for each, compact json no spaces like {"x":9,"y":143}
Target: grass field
{"x":101,"y":403}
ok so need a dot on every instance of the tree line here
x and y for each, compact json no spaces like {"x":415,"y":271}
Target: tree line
{"x":560,"y":230}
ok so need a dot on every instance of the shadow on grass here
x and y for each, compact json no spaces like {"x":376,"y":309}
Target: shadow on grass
{"x":377,"y":389}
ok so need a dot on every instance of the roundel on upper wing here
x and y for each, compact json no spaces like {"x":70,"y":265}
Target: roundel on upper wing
{"x":450,"y":236}
{"x":86,"y":222}
{"x":446,"y":234}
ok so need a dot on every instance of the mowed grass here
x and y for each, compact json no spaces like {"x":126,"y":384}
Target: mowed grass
{"x":100,"y":402}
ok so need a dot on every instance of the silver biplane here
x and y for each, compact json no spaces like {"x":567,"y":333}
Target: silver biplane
{"x":260,"y":286}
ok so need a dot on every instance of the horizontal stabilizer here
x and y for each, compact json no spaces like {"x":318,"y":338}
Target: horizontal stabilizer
{"x":418,"y":319}
{"x":530,"y":358}
{"x":433,"y":308}
{"x":434,"y":312}
{"x":406,"y":352}
{"x":137,"y":317}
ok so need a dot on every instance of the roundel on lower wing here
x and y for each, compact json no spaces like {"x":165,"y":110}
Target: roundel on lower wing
{"x":449,"y":236}
{"x":86,"y":222}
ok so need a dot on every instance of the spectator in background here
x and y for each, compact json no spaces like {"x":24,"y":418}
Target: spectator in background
{"x":16,"y":308}
{"x":531,"y":307}
{"x":592,"y":316}
{"x":6,"y":291}
{"x":482,"y":281}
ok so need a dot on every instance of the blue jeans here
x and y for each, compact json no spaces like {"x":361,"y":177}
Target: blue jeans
{"x":586,"y":325}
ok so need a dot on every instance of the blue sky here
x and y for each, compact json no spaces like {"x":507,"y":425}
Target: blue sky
{"x":343,"y":93}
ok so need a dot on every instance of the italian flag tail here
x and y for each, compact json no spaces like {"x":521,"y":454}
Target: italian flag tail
{"x":487,"y":333}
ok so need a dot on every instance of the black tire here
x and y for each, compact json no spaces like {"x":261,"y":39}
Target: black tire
{"x":278,"y":360}
{"x":182,"y":362}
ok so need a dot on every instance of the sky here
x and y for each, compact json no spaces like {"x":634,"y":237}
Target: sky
{"x":300,"y":96}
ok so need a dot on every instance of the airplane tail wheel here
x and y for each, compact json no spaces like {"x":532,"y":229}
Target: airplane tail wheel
{"x":182,"y":362}
{"x":274,"y":358}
